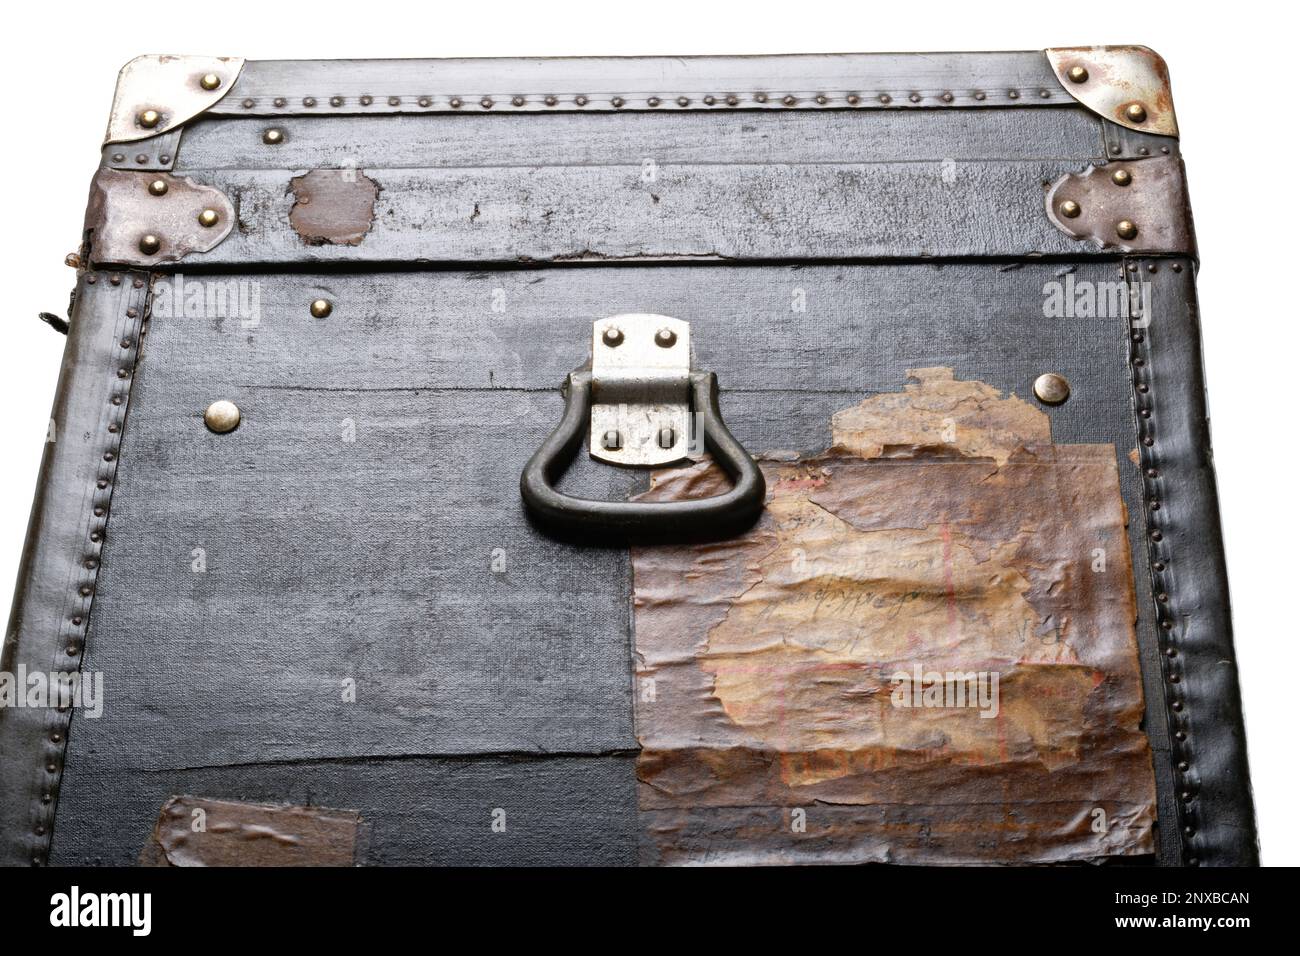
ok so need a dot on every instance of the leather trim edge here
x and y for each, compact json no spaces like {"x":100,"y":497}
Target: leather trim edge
{"x":1189,"y":589}
{"x":60,"y":566}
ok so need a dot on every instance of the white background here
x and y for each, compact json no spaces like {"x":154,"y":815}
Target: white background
{"x":1234,"y":87}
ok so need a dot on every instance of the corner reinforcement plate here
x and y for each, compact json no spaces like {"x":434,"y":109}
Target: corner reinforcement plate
{"x":125,"y":209}
{"x":1128,"y":85}
{"x":1136,"y":206}
{"x":157,"y":93}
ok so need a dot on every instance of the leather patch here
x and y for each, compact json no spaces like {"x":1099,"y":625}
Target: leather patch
{"x":194,"y":831}
{"x":924,"y":651}
{"x":333,"y":206}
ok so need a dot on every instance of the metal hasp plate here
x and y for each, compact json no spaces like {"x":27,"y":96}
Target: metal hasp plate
{"x":640,"y":385}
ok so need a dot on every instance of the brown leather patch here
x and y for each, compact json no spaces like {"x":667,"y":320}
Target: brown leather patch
{"x":195,"y":831}
{"x":923,"y":652}
{"x":333,"y":206}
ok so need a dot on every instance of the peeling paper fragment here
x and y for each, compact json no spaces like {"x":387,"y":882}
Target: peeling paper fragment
{"x":776,"y":730}
{"x":194,"y":831}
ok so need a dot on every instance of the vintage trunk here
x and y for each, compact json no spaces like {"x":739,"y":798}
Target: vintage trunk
{"x":959,"y":596}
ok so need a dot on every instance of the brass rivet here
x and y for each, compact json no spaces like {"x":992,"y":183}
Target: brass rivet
{"x":1126,"y":229}
{"x":149,"y":118}
{"x":273,"y":137}
{"x":1051,"y":389}
{"x":611,"y":441}
{"x":1070,"y":209}
{"x":517,"y":101}
{"x":150,"y":244}
{"x":158,"y":187}
{"x":617,"y":102}
{"x":667,"y":438}
{"x":1136,"y":113}
{"x":1077,"y":74}
{"x":552,"y":100}
{"x":613,"y":336}
{"x":321,"y":308}
{"x":222,"y":417}
{"x":1121,"y":177}
{"x":210,"y":81}
{"x":665,"y":338}
{"x":208,"y":218}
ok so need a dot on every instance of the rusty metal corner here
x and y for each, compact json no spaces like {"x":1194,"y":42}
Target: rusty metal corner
{"x":1128,"y":85}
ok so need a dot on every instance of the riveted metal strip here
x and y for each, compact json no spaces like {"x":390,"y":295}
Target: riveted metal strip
{"x":599,"y":84}
{"x":56,"y":587}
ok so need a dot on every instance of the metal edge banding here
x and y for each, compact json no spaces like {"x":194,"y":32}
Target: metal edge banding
{"x":598,"y":84}
{"x":157,"y":153}
{"x":57,"y":581}
{"x":1188,"y":575}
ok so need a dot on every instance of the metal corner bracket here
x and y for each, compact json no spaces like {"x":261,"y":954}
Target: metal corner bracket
{"x":157,"y":93}
{"x":148,"y":218}
{"x":1135,"y":206}
{"x":1128,"y":85}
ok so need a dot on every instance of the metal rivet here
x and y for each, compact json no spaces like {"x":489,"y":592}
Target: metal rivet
{"x":209,"y":81}
{"x":1121,"y":177}
{"x":517,"y":101}
{"x":336,"y":101}
{"x":249,"y":103}
{"x":947,"y":97}
{"x":150,"y":244}
{"x":119,"y":157}
{"x":1126,"y":229}
{"x":367,"y":100}
{"x":683,"y":101}
{"x":1070,"y":209}
{"x":733,"y":100}
{"x":158,"y":187}
{"x":616,"y":102}
{"x":279,"y":101}
{"x":613,"y":336}
{"x":665,"y":338}
{"x":1135,"y":113}
{"x":979,"y":95}
{"x":611,"y":441}
{"x":789,"y":100}
{"x":208,"y":218}
{"x":1044,"y":94}
{"x":821,"y":99}
{"x":853,"y":99}
{"x":142,"y":158}
{"x":915,"y":97}
{"x":394,"y":101}
{"x":222,"y":416}
{"x":580,"y":100}
{"x":885,"y":98}
{"x":455,"y":102}
{"x":321,"y":308}
{"x":551,"y":100}
{"x":652,"y":101}
{"x":758,"y":98}
{"x":709,"y":100}
{"x":424,"y":101}
{"x":667,"y":438}
{"x":1077,"y":74}
{"x":486,"y":102}
{"x":309,"y":101}
{"x":1013,"y":94}
{"x":273,"y":137}
{"x":149,"y":118}
{"x":1051,"y":389}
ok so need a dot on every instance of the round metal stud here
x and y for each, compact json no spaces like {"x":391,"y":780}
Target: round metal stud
{"x":617,"y":102}
{"x":149,"y":118}
{"x":1077,"y":74}
{"x":209,"y":81}
{"x":1126,"y":229}
{"x":150,"y":244}
{"x":613,"y":337}
{"x":321,"y":308}
{"x":683,"y":101}
{"x":1135,"y":113}
{"x":336,"y":101}
{"x":665,"y":338}
{"x":158,"y":187}
{"x":652,"y":101}
{"x":517,"y":101}
{"x":208,"y":218}
{"x":222,"y":416}
{"x":1051,"y":389}
{"x":551,"y":100}
{"x":1121,"y":177}
{"x":1070,"y":209}
{"x":273,"y":137}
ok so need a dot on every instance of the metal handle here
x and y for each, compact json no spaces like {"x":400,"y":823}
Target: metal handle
{"x":705,"y":518}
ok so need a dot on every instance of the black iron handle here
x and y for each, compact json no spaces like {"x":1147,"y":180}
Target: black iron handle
{"x":705,"y":518}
